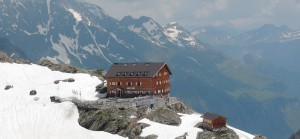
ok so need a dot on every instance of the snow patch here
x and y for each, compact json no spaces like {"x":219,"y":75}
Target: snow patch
{"x":62,"y":53}
{"x":150,"y":27}
{"x":135,"y":29}
{"x":76,"y":15}
{"x":121,"y":41}
{"x":117,"y":56}
{"x":187,"y":125}
{"x":42,"y":30}
{"x":23,"y":117}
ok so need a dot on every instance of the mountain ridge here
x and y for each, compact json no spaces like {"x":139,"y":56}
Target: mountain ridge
{"x":92,"y":39}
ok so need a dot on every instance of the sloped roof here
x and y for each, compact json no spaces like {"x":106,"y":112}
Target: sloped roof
{"x":134,"y":70}
{"x":211,"y":116}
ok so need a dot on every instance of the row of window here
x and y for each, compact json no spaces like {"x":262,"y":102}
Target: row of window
{"x":162,"y":82}
{"x":138,"y":83}
{"x":139,"y":73}
{"x":159,"y":74}
{"x":145,"y":92}
{"x":127,"y":83}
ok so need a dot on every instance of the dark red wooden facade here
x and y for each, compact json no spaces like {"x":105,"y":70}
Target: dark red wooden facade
{"x":213,"y":121}
{"x":138,"y":79}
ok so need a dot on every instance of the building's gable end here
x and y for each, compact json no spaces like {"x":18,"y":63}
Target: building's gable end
{"x":161,"y":68}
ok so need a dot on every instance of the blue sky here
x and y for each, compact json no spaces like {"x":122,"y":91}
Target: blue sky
{"x":240,"y":14}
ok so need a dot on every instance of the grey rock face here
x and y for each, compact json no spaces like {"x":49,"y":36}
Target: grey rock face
{"x":124,"y":121}
{"x":5,"y":58}
{"x":57,"y":67}
{"x":165,"y":116}
{"x":225,"y":133}
{"x":179,"y":107}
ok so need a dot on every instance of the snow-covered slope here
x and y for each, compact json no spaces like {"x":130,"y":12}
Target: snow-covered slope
{"x":23,"y":116}
{"x":35,"y":117}
{"x":187,"y":126}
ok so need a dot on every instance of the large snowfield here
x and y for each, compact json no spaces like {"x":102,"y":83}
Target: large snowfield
{"x":35,"y":117}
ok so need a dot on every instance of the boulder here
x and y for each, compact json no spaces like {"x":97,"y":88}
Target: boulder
{"x":56,"y":81}
{"x":165,"y":116}
{"x":36,"y":98}
{"x":55,"y":99}
{"x":71,"y":80}
{"x":8,"y":87}
{"x":32,"y":92}
{"x":151,"y":136}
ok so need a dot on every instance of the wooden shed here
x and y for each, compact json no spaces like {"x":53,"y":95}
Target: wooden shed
{"x":128,"y":80}
{"x":213,"y":121}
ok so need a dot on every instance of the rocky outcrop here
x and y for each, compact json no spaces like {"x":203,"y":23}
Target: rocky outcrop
{"x":116,"y":121}
{"x":179,"y":107}
{"x":262,"y":137}
{"x":5,"y":58}
{"x":57,"y":67}
{"x":70,"y":68}
{"x":124,"y":121}
{"x":224,"y":133}
{"x":164,"y":116}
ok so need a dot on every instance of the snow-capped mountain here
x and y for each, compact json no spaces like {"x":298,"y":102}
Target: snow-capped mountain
{"x":147,"y":28}
{"x":84,"y":35}
{"x":73,"y":32}
{"x":68,"y":32}
{"x":178,"y":35}
{"x":172,"y":34}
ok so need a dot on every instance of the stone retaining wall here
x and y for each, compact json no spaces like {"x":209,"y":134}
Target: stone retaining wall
{"x":126,"y":102}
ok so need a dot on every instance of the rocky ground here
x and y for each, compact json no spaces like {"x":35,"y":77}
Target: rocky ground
{"x":5,"y":58}
{"x":55,"y":67}
{"x":124,"y":122}
{"x":70,"y":69}
{"x":224,"y":133}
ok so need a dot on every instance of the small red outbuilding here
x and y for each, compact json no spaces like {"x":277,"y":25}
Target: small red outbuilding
{"x":213,"y":121}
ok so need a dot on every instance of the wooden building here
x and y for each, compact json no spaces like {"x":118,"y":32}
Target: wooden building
{"x":213,"y":121}
{"x":127,"y":80}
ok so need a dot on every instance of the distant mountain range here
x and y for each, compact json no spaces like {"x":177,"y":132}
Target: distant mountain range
{"x":83,"y":35}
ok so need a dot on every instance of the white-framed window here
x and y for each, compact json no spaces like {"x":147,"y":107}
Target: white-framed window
{"x":138,"y":83}
{"x":129,"y":83}
{"x":159,"y":74}
{"x":113,"y":83}
{"x":165,"y":73}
